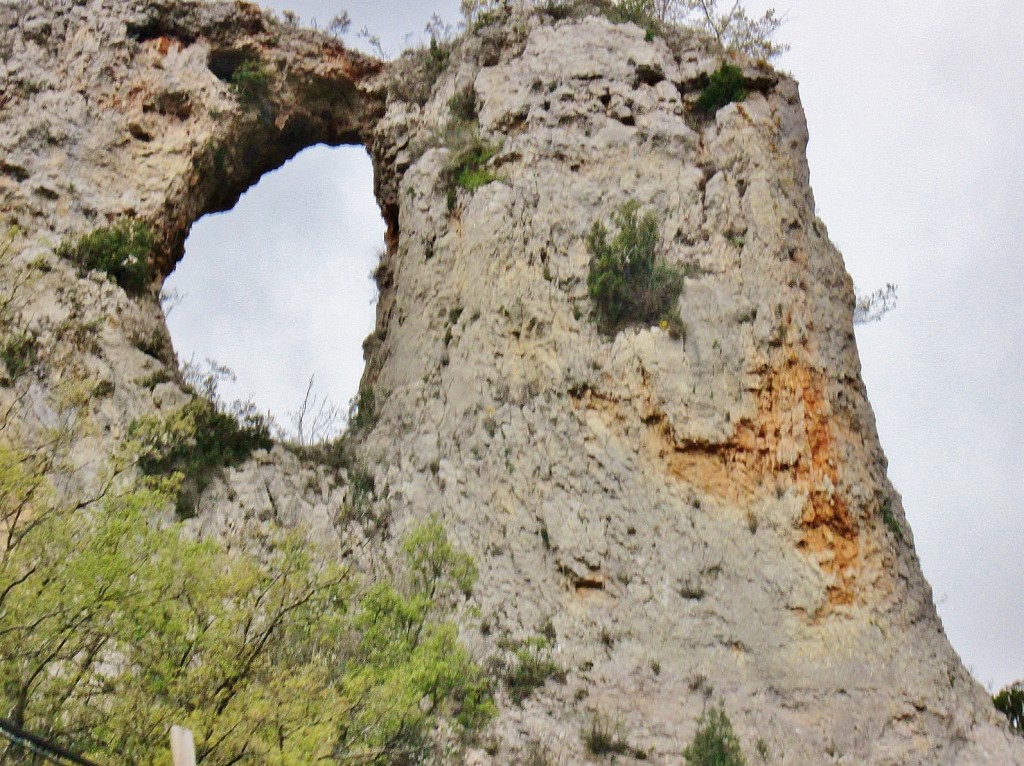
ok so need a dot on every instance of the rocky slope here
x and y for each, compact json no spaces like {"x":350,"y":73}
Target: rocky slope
{"x":686,"y":522}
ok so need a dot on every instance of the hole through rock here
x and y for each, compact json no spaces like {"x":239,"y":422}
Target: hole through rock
{"x":278,"y":289}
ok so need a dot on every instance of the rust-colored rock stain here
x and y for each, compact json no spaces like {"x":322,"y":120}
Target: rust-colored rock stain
{"x":789,"y":444}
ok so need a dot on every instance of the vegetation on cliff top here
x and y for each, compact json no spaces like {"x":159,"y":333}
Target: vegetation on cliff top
{"x":1010,"y":702}
{"x":726,"y":23}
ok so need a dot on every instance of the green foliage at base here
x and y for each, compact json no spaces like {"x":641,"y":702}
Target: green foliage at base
{"x":121,"y":251}
{"x":715,"y":743}
{"x":1010,"y":702}
{"x":725,"y":86}
{"x":628,"y":283}
{"x":113,"y":628}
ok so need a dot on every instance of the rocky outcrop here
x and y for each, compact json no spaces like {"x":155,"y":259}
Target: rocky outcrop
{"x":128,"y":109}
{"x":691,"y":521}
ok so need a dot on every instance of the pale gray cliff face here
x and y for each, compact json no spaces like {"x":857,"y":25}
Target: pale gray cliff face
{"x":693,"y":521}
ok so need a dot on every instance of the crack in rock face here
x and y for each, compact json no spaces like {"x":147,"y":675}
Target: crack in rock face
{"x":711,"y":503}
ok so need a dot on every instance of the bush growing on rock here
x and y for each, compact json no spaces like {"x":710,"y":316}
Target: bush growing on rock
{"x":251,"y":82}
{"x":18,"y":352}
{"x":467,"y":162}
{"x":714,"y":743}
{"x":628,"y":282}
{"x":727,"y":24}
{"x":1010,"y":702}
{"x":122,"y":251}
{"x":203,"y":437}
{"x":725,"y":86}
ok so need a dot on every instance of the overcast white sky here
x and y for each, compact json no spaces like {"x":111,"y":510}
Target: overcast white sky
{"x":917,"y":161}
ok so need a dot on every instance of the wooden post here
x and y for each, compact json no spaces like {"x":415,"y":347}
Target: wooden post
{"x":183,"y":747}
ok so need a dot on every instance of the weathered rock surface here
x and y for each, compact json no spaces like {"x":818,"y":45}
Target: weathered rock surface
{"x":694,"y":521}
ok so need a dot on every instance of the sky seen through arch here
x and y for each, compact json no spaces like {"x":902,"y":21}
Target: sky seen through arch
{"x":278,"y":289}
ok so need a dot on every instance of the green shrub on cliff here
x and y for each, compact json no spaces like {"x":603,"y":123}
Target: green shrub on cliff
{"x":18,"y":352}
{"x":643,"y":13}
{"x":1010,"y":702}
{"x":628,"y":282}
{"x":725,"y":86}
{"x":714,"y":743}
{"x":251,"y":81}
{"x":122,"y":251}
{"x":468,"y":156}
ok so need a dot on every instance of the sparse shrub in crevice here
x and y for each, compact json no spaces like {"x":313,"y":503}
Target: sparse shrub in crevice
{"x":361,"y":486}
{"x":202,"y":438}
{"x":336,"y":455}
{"x":416,"y":73}
{"x":19,"y":347}
{"x":714,"y":743}
{"x":463,"y":105}
{"x":629,"y":283}
{"x":603,"y":737}
{"x":121,"y":251}
{"x":362,"y":416}
{"x":483,"y":13}
{"x":153,"y":341}
{"x":197,"y":441}
{"x":537,"y":754}
{"x":251,"y":82}
{"x":467,"y":162}
{"x":19,"y":352}
{"x":889,"y":518}
{"x":339,"y":457}
{"x":725,"y":86}
{"x":557,"y":10}
{"x":763,"y":751}
{"x":155,"y":378}
{"x":527,"y":666}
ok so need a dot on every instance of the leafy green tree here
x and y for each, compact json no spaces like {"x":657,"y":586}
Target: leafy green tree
{"x":114,"y":627}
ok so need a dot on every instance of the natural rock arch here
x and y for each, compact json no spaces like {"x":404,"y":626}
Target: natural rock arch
{"x":216,"y":93}
{"x":717,"y":510}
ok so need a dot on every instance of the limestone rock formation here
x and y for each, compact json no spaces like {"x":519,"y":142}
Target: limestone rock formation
{"x":690,"y":521}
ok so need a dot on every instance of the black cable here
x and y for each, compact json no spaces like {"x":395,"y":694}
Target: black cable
{"x":48,"y":750}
